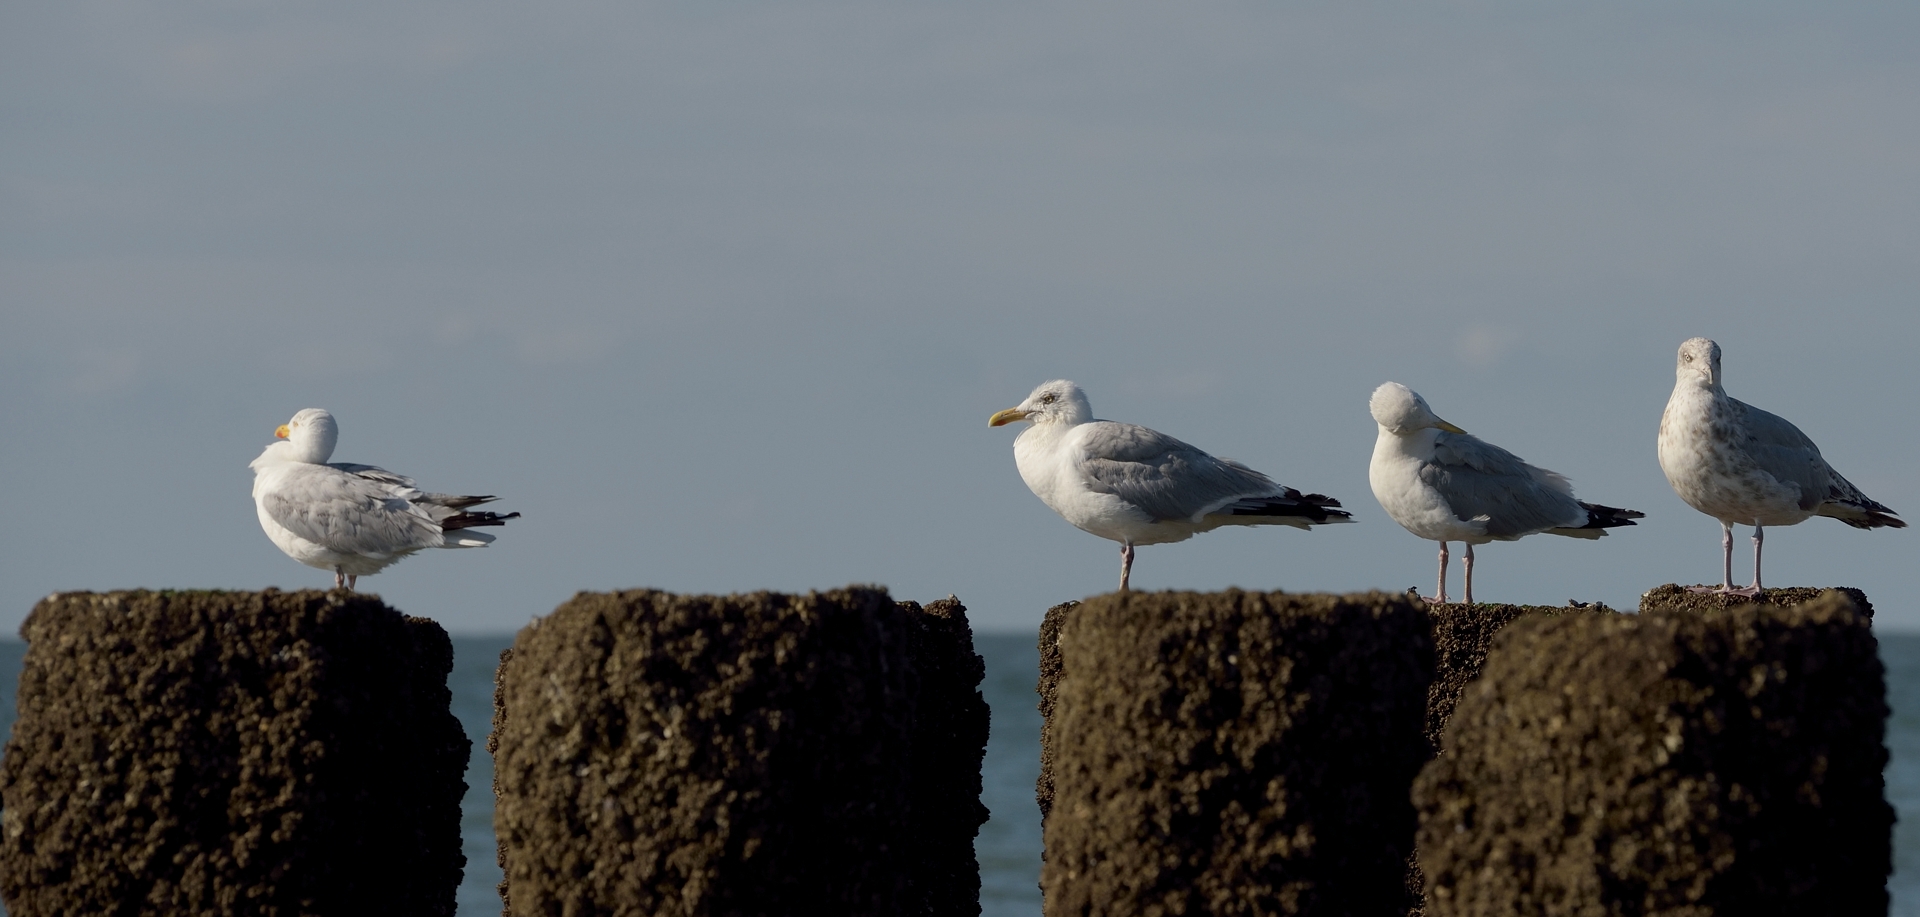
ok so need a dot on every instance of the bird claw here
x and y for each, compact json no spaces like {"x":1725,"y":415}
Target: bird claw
{"x":1750,"y":592}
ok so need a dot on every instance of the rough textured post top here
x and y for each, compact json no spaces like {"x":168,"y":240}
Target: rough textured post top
{"x":740,"y":754}
{"x":231,"y":753}
{"x":1235,"y":753}
{"x":1462,"y":635}
{"x":110,"y":619}
{"x":1671,"y":762}
{"x":1673,"y":597}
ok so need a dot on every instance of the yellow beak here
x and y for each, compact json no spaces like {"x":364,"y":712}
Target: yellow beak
{"x":1006,"y":417}
{"x":280,"y":432}
{"x":1450,"y":428}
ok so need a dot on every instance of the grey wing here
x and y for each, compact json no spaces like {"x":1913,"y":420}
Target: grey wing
{"x":438,"y":507}
{"x":373,"y":473}
{"x":1166,"y":478}
{"x":1778,"y":448}
{"x":350,"y":513}
{"x":1478,"y":478}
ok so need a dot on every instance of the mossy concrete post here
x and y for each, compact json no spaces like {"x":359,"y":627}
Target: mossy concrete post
{"x":1673,"y":597}
{"x":1718,"y":761}
{"x":231,"y":753}
{"x":1234,"y":753}
{"x":1049,"y":691}
{"x":750,"y":754}
{"x":1462,"y":636}
{"x":950,"y":726}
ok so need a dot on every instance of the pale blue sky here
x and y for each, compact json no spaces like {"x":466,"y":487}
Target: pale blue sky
{"x":720,"y":295}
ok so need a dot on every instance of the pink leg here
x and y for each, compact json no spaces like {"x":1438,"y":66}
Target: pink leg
{"x":353,"y":582}
{"x":1759,"y":535}
{"x":339,"y":578}
{"x":1440,"y":595}
{"x":1467,"y":562}
{"x":1126,"y":563}
{"x":1726,"y":563}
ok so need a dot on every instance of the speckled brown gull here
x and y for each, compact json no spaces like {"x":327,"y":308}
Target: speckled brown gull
{"x":1136,"y":486}
{"x":353,"y":519}
{"x":1445,"y":484}
{"x":1744,"y":466}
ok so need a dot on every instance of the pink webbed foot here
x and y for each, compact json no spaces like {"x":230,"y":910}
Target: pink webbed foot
{"x":1751,"y":592}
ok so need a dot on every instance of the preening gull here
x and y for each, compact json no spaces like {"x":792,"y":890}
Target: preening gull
{"x":1444,"y":484}
{"x":352,"y":519}
{"x":1136,"y":486}
{"x":1742,"y":465}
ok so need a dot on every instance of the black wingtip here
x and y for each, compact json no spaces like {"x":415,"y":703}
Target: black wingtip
{"x":475,"y":520}
{"x":1607,"y":517}
{"x":1311,"y":507}
{"x":1874,"y":519}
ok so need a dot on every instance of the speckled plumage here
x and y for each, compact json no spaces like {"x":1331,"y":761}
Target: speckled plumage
{"x":1744,"y":466}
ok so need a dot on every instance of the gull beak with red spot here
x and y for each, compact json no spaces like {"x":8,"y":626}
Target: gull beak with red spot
{"x":1007,"y":416}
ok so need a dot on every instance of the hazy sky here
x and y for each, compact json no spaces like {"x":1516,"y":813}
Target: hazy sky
{"x":720,"y":295}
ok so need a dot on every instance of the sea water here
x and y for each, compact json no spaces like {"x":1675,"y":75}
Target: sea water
{"x":1009,"y":843}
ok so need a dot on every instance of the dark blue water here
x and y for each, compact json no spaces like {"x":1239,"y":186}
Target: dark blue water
{"x":1009,"y":844}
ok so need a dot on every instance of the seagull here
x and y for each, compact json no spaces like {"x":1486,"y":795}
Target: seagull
{"x":1137,"y":486}
{"x":1742,"y":465}
{"x":1444,"y":484}
{"x":351,"y":519}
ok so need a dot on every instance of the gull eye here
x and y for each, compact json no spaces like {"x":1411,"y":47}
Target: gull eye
{"x":1047,"y":399}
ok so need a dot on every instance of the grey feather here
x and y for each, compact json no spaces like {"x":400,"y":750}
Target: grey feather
{"x":1778,"y":448}
{"x":1162,"y":476}
{"x":1478,"y":478}
{"x":352,"y":512}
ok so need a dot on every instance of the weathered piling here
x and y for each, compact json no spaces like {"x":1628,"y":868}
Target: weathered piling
{"x":1049,"y":691}
{"x":1673,"y":597}
{"x":1462,"y":636}
{"x":950,"y":724}
{"x":231,"y":753}
{"x":749,"y":754}
{"x":1725,"y":761}
{"x":1234,"y":753}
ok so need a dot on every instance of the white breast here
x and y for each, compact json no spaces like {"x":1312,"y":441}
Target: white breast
{"x":1394,"y":474}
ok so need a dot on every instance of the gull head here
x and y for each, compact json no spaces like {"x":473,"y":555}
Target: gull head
{"x":311,"y":434}
{"x":1400,"y":410}
{"x":1058,"y":401}
{"x":1699,"y":361}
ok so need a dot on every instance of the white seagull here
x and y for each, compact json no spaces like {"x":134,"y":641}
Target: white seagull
{"x":1136,"y":486}
{"x":351,"y":519}
{"x":1742,"y":465}
{"x":1444,"y":484}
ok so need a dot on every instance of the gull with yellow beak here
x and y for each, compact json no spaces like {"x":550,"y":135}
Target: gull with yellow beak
{"x":352,"y":519}
{"x":1136,"y":486}
{"x":1444,"y":484}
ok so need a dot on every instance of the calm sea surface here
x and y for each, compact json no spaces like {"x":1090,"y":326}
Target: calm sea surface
{"x":1009,"y":844}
